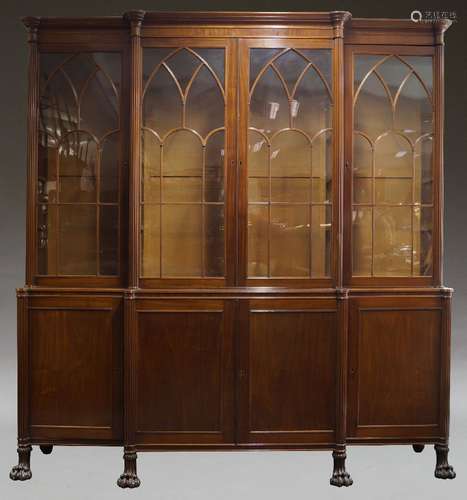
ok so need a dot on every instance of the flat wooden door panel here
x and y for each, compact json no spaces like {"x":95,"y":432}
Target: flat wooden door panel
{"x":395,"y":367}
{"x":76,"y":368}
{"x":287,"y":371}
{"x":184,"y":372}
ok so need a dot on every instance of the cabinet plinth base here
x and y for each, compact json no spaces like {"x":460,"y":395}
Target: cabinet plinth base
{"x":443,"y":470}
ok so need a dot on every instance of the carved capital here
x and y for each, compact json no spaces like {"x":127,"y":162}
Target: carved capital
{"x":135,"y":18}
{"x":439,"y":28}
{"x":22,"y":292}
{"x":129,"y":294}
{"x":338,"y":19}
{"x":342,"y":293}
{"x":446,"y":292}
{"x":32,"y":26}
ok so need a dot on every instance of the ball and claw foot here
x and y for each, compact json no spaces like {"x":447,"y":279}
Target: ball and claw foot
{"x":46,"y":448}
{"x":418,"y":448}
{"x":443,"y":469}
{"x":22,"y":471}
{"x":128,"y":480}
{"x":340,"y":477}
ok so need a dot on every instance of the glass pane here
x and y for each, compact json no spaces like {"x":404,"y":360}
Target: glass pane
{"x":362,"y":256}
{"x":151,"y":241}
{"x":77,"y":240}
{"x":290,"y":155}
{"x":183,"y":64}
{"x":393,"y":72}
{"x":215,"y":60}
{"x":373,"y":111}
{"x":162,"y":102}
{"x":311,"y":107}
{"x":363,"y":191}
{"x":290,"y":65}
{"x":290,"y":190}
{"x":393,"y":241}
{"x":393,"y":191}
{"x":109,"y":169}
{"x":423,"y":190}
{"x":321,"y":217}
{"x":182,"y":155}
{"x":423,"y":66}
{"x":151,"y":167}
{"x":77,"y":168}
{"x":362,"y":156}
{"x":182,"y":240}
{"x":258,"y":189}
{"x":47,"y":239}
{"x":214,"y":246}
{"x":259,"y":58}
{"x":214,"y":168}
{"x":258,"y":155}
{"x":414,"y":113}
{"x":258,"y":236}
{"x":290,"y":241}
{"x":58,"y":105}
{"x":269,"y":105}
{"x":181,"y":189}
{"x":108,"y":240}
{"x":47,"y":173}
{"x":423,"y":242}
{"x":99,"y":105}
{"x":205,"y":103}
{"x":322,"y":59}
{"x":321,"y":160}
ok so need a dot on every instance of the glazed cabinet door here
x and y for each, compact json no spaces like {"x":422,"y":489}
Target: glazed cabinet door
{"x":399,"y":360}
{"x":393,"y":181}
{"x":287,"y":199}
{"x":287,"y":372}
{"x":79,"y":215}
{"x":188,"y":162}
{"x":184,"y":371}
{"x":75,"y":369}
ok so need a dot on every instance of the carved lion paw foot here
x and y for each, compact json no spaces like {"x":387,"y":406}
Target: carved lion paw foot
{"x":341,"y":478}
{"x":20,"y":473}
{"x":128,"y":480}
{"x":445,"y":471}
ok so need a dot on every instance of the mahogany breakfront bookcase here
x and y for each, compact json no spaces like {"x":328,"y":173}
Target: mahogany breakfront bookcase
{"x":234,"y":236}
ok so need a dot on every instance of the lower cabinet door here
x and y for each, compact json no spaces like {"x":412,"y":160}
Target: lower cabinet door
{"x":184,"y":370}
{"x":287,"y":372}
{"x":396,"y":347}
{"x":75,"y":369}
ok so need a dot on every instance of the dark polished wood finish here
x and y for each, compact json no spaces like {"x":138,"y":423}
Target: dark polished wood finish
{"x":236,"y":360}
